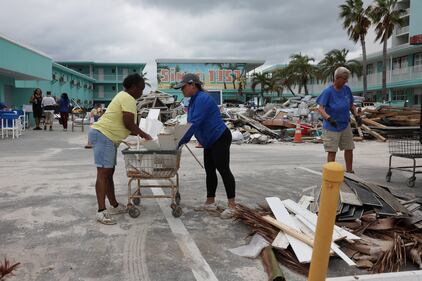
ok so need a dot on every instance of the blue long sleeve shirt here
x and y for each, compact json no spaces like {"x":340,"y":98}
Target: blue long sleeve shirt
{"x":205,"y":117}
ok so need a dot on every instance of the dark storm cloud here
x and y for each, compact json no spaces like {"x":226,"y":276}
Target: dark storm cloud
{"x":131,"y":30}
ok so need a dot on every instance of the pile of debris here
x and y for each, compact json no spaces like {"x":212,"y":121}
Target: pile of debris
{"x":391,"y":116}
{"x":375,"y":229}
{"x":169,"y":107}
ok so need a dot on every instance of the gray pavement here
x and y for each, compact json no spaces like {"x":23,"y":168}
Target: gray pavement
{"x":48,"y":205}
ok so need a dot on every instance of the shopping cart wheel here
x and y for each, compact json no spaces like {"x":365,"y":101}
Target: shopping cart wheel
{"x":411,"y":182}
{"x":388,"y":176}
{"x":177,"y":212}
{"x":134,"y":212}
{"x":136,"y":201}
{"x":177,"y":198}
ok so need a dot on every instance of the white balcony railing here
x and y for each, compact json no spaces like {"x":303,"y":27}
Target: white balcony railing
{"x":402,"y":30}
{"x":108,"y":77}
{"x":397,"y":75}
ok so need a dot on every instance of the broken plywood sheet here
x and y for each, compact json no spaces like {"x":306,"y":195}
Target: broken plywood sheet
{"x":348,"y":196}
{"x":339,"y":233}
{"x":367,"y":197}
{"x":381,"y":192}
{"x":302,"y":251}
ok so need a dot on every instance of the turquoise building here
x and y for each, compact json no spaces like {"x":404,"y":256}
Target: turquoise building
{"x":22,"y":69}
{"x":404,"y":66}
{"x":108,"y":77}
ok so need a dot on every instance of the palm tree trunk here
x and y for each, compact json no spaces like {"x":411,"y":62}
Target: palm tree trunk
{"x":306,"y":88}
{"x":384,"y":67}
{"x":364,"y":63}
{"x":291,"y":91}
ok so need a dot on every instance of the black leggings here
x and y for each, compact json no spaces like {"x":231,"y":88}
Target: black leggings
{"x":218,"y":158}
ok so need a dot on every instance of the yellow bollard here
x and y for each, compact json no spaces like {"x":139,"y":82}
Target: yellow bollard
{"x":332,"y":177}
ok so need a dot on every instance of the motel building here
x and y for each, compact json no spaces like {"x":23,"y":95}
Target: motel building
{"x":227,"y":80}
{"x":404,"y":66}
{"x":22,"y":69}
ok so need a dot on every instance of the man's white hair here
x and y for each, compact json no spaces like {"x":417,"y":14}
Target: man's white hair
{"x":341,"y":71}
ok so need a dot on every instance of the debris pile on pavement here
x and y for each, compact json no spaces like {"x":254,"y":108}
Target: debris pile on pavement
{"x":167,"y":104}
{"x":375,"y":230}
{"x":392,"y":116}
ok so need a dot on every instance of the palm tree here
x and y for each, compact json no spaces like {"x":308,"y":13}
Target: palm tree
{"x":262,"y":80}
{"x":356,"y":20}
{"x":285,"y":78}
{"x":386,"y":15}
{"x":334,"y":59}
{"x":301,"y":70}
{"x":274,"y":85}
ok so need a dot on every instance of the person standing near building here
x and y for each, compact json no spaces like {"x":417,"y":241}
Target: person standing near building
{"x":213,"y":134}
{"x":64,"y":104}
{"x":116,"y":124}
{"x":49,"y":104}
{"x":36,"y":100}
{"x":335,"y":104}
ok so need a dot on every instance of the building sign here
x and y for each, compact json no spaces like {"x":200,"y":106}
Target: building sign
{"x":215,"y":76}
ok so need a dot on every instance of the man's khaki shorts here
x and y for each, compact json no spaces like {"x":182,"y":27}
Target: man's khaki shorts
{"x":335,"y":140}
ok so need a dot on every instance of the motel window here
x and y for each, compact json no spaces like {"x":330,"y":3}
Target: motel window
{"x":113,"y":88}
{"x":400,"y":62}
{"x":113,"y":70}
{"x":369,"y":69}
{"x":399,"y":95}
{"x":418,"y":62}
{"x":134,"y":70}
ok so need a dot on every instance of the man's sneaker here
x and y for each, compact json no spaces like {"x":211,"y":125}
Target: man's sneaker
{"x":120,"y":209}
{"x":105,"y":218}
{"x":228,"y":213}
{"x":207,"y":207}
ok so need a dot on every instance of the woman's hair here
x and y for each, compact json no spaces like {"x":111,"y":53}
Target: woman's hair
{"x":200,"y":87}
{"x":341,"y":71}
{"x":35,"y":91}
{"x":65,"y":97}
{"x":133,"y":80}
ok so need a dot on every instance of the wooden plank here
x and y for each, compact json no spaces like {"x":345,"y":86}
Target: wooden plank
{"x":302,"y":251}
{"x":313,"y":218}
{"x":334,"y":247}
{"x":370,"y":122}
{"x":280,"y":241}
{"x":258,"y":126}
{"x":373,"y":133}
{"x":305,"y":201}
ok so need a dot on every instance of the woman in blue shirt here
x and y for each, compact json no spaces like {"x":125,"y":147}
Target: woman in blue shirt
{"x":64,"y":110}
{"x":335,"y":104}
{"x":212,"y":133}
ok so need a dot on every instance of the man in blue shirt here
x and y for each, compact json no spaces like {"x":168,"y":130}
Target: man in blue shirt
{"x":335,"y":104}
{"x":213,"y":134}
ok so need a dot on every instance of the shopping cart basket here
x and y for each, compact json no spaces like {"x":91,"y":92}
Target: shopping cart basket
{"x":146,"y":165}
{"x":405,"y":145}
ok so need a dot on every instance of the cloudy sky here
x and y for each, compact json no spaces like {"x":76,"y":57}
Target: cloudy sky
{"x":143,"y":30}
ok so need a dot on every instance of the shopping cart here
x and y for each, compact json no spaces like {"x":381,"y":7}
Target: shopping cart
{"x":405,"y":145}
{"x":146,"y":165}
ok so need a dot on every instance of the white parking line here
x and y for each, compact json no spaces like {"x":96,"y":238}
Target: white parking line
{"x":310,"y":171}
{"x":199,"y":266}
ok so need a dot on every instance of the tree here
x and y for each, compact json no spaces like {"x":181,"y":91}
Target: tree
{"x":285,"y":78}
{"x":356,"y":20}
{"x":301,"y":70}
{"x":262,"y":80}
{"x":274,"y":85}
{"x":334,"y":59}
{"x":386,"y":15}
